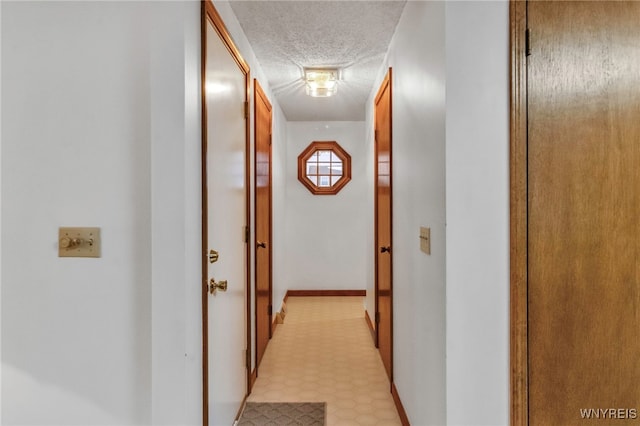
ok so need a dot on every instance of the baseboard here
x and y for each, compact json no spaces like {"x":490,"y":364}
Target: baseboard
{"x":303,"y":293}
{"x":254,"y":376}
{"x":239,"y":413}
{"x":396,"y":398}
{"x":313,"y":293}
{"x":274,"y":324}
{"x":372,"y":330}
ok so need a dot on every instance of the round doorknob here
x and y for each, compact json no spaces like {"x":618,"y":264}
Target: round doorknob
{"x":385,"y":249}
{"x":214,"y":286}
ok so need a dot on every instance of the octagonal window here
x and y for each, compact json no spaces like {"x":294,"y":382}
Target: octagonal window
{"x":324,"y":167}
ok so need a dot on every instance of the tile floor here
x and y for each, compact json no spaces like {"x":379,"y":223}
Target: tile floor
{"x":324,"y":353}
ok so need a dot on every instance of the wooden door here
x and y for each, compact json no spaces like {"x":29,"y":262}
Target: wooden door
{"x":224,"y":223}
{"x":383,"y":238}
{"x":583,"y":213}
{"x":263,"y":220}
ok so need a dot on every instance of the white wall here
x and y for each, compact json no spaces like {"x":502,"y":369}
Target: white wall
{"x":101,"y":128}
{"x":279,"y":154}
{"x":76,"y":152}
{"x":477,"y":213}
{"x":325,"y":235}
{"x":418,"y":85}
{"x":175,"y":214}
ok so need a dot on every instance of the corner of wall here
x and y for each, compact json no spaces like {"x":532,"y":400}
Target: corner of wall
{"x":369,"y":302}
{"x":176,"y":382}
{"x":477,"y":188}
{"x":279,"y":157}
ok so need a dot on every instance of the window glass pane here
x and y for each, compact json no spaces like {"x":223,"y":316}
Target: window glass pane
{"x":312,"y":168}
{"x":335,"y":179}
{"x":324,"y":155}
{"x":324,"y":169}
{"x":335,"y":158}
{"x":314,"y":156}
{"x":324,"y":181}
{"x":336,"y":169}
{"x":313,"y":179}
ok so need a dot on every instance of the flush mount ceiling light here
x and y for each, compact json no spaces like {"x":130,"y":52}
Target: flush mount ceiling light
{"x":321,"y":83}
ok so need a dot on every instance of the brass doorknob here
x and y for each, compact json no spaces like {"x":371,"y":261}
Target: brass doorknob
{"x":214,"y":286}
{"x":213,"y":256}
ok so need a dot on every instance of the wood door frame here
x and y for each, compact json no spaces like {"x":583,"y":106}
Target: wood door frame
{"x":208,"y":13}
{"x":386,"y":82}
{"x":519,"y":374}
{"x":258,"y":92}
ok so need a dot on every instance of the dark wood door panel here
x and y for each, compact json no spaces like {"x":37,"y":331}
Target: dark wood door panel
{"x":263,"y":231}
{"x":583,"y":211}
{"x":383,"y":221}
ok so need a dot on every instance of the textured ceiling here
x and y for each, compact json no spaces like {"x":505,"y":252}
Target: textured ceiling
{"x":288,"y":36}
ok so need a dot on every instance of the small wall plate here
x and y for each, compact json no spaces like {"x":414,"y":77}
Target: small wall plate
{"x":425,"y":240}
{"x":78,"y":242}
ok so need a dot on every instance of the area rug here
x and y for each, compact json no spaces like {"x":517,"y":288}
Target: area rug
{"x":283,"y":414}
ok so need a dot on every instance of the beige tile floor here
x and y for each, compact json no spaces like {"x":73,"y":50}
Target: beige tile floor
{"x":324,"y":353}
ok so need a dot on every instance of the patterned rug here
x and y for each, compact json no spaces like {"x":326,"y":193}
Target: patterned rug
{"x":283,"y":414}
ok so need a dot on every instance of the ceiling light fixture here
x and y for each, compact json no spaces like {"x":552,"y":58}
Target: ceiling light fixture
{"x":321,"y":83}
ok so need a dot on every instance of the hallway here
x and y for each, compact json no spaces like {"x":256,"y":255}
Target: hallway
{"x":102,"y":113}
{"x":324,"y":353}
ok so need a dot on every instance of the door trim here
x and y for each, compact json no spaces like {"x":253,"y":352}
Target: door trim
{"x":258,"y":92}
{"x":519,"y":374}
{"x":208,"y":13}
{"x":404,"y":419}
{"x":386,"y":82}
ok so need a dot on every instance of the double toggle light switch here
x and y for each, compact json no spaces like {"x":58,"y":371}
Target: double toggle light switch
{"x":79,"y":242}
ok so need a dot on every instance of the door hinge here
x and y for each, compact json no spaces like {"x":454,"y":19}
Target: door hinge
{"x":246,"y":234}
{"x":246,"y":109}
{"x":377,"y":319}
{"x":270,"y":310}
{"x":527,"y":42}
